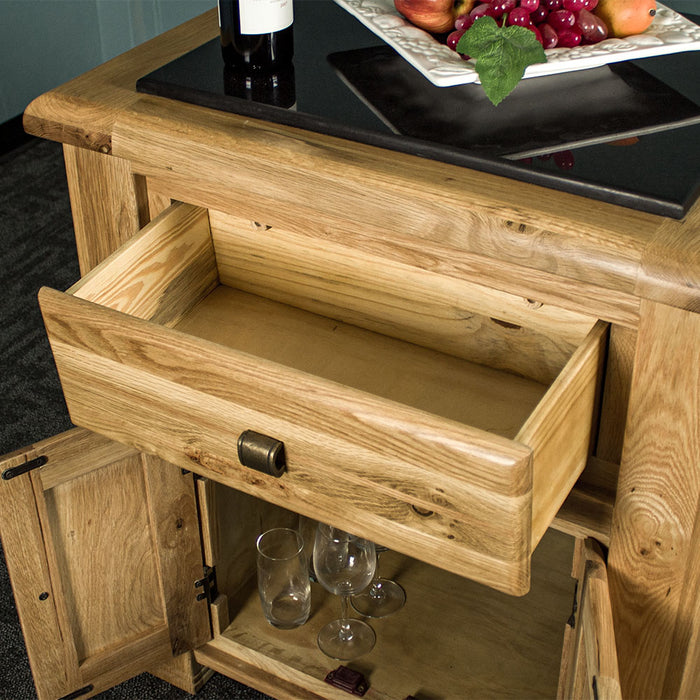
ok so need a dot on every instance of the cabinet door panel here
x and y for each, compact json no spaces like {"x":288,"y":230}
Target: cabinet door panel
{"x":589,"y":660}
{"x":91,"y":550}
{"x":27,"y":565}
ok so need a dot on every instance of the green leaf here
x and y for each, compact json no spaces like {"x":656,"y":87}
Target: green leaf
{"x":502,"y":54}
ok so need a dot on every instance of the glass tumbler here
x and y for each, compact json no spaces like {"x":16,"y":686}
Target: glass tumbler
{"x":283,"y":578}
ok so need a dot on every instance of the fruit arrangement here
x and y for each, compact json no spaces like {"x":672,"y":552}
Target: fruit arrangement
{"x":565,"y":23}
{"x":503,"y":37}
{"x":617,"y":18}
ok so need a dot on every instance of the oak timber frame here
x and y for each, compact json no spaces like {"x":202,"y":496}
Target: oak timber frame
{"x":128,"y":155}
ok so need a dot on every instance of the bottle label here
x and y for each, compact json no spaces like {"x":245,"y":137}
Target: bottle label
{"x":265,"y":16}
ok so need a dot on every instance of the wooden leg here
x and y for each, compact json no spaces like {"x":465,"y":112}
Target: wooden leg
{"x":109,"y":206}
{"x":654,"y":559}
{"x":109,"y":203}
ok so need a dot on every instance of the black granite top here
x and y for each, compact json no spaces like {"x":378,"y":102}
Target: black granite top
{"x":555,"y":131}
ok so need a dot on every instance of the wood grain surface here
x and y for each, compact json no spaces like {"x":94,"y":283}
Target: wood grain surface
{"x":84,"y":561}
{"x":654,"y":547}
{"x":589,"y":663}
{"x":397,"y":297}
{"x":107,"y":203}
{"x":82,"y":111}
{"x":486,"y":646}
{"x":161,"y":273}
{"x":219,"y":161}
{"x":551,"y":249}
{"x":25,"y":554}
{"x":340,"y":440}
{"x":423,"y":429}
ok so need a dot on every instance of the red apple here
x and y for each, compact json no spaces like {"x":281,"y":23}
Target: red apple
{"x":436,"y":16}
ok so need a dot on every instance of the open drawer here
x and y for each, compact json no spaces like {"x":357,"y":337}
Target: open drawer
{"x":444,"y":419}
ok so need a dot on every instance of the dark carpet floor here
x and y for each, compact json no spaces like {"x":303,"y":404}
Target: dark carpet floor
{"x":37,"y":248}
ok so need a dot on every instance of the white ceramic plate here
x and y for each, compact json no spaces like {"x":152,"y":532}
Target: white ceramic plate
{"x":668,"y":33}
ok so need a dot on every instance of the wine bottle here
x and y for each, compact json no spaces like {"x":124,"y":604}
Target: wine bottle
{"x":256,"y":33}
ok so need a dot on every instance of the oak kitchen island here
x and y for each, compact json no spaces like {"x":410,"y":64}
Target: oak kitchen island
{"x":491,"y":369}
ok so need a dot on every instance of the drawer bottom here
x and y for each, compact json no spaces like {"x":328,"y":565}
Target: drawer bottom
{"x":453,"y":639}
{"x":473,"y":394}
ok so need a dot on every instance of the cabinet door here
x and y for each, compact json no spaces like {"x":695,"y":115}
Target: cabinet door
{"x":589,"y":659}
{"x":103,"y":551}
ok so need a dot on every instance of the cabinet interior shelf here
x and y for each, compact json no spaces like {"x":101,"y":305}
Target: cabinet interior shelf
{"x":453,"y":638}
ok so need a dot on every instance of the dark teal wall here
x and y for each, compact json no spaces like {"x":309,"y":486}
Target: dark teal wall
{"x":43,"y":43}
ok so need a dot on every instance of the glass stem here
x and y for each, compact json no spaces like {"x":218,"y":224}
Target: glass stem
{"x":376,"y":591}
{"x":345,"y":632}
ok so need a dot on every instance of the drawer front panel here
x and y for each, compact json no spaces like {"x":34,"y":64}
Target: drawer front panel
{"x":366,"y":463}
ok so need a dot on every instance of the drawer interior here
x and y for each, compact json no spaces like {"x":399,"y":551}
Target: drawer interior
{"x":450,"y":387}
{"x":452,"y":417}
{"x":452,"y":639}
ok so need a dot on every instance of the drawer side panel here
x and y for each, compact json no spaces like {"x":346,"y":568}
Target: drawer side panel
{"x":560,"y":430}
{"x":161,"y":272}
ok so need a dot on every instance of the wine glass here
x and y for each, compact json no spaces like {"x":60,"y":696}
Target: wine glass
{"x":383,"y":596}
{"x":344,"y":564}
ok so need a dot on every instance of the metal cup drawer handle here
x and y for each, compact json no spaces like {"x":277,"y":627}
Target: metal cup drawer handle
{"x":262,"y":452}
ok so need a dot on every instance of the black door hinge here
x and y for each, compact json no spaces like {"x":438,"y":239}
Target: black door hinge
{"x":208,"y":585}
{"x":12,"y":472}
{"x":78,"y":693}
{"x":572,"y":618}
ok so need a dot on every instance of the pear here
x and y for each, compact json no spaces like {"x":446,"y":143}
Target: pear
{"x":626,"y":17}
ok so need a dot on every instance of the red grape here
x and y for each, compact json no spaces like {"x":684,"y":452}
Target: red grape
{"x":483,"y":10}
{"x":564,"y":23}
{"x":569,"y":37}
{"x":539,"y":15}
{"x":500,"y":7}
{"x":564,"y":160}
{"x":593,"y":28}
{"x":519,"y":17}
{"x":537,"y":33}
{"x":550,"y":38}
{"x":561,"y":19}
{"x":463,"y":22}
{"x":454,"y":37}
